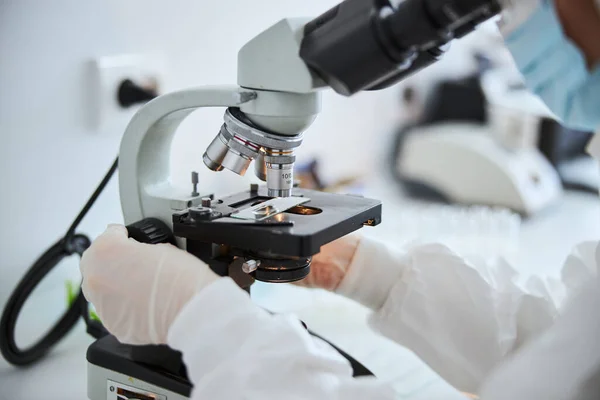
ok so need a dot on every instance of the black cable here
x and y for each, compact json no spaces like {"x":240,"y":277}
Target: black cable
{"x":574,"y":186}
{"x":71,"y":243}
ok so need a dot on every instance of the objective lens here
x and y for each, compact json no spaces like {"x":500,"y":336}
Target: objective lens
{"x":239,"y":143}
{"x":260,"y":168}
{"x":236,"y":162}
{"x":280,"y":179}
{"x":216,"y":152}
{"x":280,"y":172}
{"x":231,"y":152}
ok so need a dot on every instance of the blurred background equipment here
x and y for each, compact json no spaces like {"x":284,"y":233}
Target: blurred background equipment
{"x":461,"y":163}
{"x":517,"y":115}
{"x":484,"y":139}
{"x":309,"y":176}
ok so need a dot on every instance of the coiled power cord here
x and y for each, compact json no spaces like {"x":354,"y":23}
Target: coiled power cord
{"x":70,"y":244}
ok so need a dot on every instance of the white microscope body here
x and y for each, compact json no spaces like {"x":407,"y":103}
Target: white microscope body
{"x":278,"y":97}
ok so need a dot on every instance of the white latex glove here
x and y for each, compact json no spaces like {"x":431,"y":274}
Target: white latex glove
{"x":329,"y":267}
{"x":139,"y":289}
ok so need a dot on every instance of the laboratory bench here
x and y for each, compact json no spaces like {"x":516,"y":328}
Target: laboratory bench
{"x":545,"y":240}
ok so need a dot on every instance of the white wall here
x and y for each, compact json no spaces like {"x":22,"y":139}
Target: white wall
{"x":50,"y":160}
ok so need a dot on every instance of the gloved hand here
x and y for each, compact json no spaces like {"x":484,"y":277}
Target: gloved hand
{"x":329,"y":267}
{"x":139,"y":289}
{"x":359,"y":268}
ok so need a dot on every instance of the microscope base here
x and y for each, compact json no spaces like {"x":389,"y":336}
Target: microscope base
{"x":114,"y":373}
{"x":104,"y":384}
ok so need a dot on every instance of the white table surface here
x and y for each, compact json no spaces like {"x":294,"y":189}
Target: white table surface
{"x":546,"y":240}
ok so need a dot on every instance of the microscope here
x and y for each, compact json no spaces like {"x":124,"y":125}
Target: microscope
{"x":267,"y":233}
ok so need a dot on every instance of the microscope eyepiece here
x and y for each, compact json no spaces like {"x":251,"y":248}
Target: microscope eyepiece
{"x":371,"y":44}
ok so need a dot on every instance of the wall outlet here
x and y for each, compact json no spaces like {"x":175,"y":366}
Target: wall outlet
{"x":107,"y":73}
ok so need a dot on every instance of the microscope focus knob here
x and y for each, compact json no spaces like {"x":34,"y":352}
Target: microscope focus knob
{"x":152,"y":231}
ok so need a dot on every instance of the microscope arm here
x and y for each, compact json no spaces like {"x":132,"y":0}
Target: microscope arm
{"x":145,"y":152}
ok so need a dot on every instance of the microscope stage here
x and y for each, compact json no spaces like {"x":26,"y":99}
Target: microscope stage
{"x":300,"y":231}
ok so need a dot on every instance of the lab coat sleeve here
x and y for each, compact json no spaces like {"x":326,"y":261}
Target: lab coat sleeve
{"x":233,"y":350}
{"x":563,"y":363}
{"x":461,"y":318}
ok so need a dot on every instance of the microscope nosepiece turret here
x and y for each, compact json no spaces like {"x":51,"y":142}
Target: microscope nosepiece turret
{"x":240,"y":141}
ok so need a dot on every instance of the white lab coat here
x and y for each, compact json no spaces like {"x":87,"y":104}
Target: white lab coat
{"x":472,"y":324}
{"x":482,"y":333}
{"x":476,"y":328}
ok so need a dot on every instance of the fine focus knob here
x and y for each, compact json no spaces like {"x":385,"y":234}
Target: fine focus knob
{"x":151,"y":230}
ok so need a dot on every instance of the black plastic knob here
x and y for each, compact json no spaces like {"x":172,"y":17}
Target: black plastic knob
{"x":152,"y":231}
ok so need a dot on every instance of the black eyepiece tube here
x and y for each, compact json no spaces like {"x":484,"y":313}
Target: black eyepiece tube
{"x":372,"y":44}
{"x":343,"y":48}
{"x":423,"y":60}
{"x":454,"y":14}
